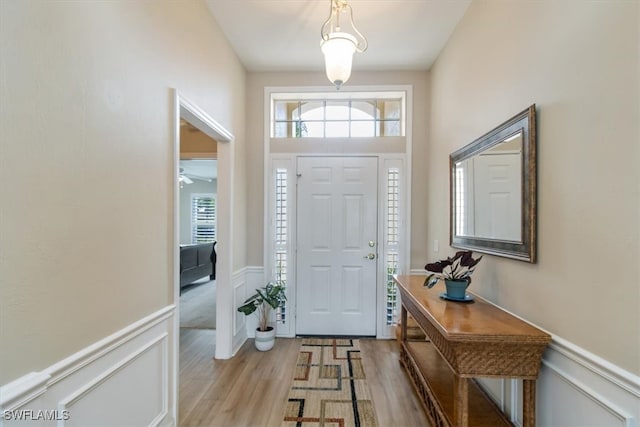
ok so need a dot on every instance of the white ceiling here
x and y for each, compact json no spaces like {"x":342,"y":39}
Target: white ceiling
{"x":200,"y":169}
{"x":284,"y":35}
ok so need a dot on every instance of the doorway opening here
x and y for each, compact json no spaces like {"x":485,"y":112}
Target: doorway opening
{"x":189,"y":116}
{"x":198,"y":210}
{"x":198,"y":207}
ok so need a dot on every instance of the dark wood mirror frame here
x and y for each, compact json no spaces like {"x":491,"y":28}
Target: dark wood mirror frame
{"x":523,"y":249}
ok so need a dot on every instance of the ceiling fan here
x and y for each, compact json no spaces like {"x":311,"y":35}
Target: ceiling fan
{"x":184,"y":179}
{"x":187,"y":178}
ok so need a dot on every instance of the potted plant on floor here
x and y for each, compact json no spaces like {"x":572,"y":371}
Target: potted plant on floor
{"x":271,"y":296}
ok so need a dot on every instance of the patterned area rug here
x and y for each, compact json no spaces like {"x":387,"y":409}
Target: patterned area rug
{"x":329,"y":387}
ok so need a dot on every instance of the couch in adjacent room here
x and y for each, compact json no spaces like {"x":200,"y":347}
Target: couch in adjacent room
{"x":197,"y":261}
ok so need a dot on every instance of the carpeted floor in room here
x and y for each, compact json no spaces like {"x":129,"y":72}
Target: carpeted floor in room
{"x":198,"y":305}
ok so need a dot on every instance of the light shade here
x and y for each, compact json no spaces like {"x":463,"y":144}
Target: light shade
{"x":339,"y":43}
{"x":338,"y":52}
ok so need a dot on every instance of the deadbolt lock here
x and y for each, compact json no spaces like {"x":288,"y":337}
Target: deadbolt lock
{"x":371,"y":243}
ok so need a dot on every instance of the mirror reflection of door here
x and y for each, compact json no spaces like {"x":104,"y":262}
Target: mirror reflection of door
{"x":488,"y":192}
{"x":198,"y":179}
{"x":498,"y":190}
{"x":337,"y":245}
{"x":498,"y":194}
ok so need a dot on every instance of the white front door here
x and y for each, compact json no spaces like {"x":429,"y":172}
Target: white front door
{"x":336,"y":245}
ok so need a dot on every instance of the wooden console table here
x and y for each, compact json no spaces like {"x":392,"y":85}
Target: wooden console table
{"x":466,"y":340}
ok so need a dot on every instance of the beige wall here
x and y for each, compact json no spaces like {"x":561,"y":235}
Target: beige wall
{"x":256,"y":82}
{"x":578,"y":61}
{"x":86,"y":213}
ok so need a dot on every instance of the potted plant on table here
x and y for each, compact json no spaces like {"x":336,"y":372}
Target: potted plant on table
{"x":271,"y":296}
{"x":456,"y":273}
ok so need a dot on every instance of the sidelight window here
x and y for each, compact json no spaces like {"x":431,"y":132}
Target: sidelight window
{"x":281,"y":235}
{"x":392,"y":227}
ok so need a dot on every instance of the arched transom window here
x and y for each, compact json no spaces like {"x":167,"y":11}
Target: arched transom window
{"x":339,"y":118}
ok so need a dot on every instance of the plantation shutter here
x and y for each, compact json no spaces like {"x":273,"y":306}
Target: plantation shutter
{"x":203,"y":218}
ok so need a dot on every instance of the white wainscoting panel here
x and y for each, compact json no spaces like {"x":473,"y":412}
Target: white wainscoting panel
{"x":245,"y":281}
{"x":575,"y":389}
{"x":239,"y":283}
{"x":253,"y":279}
{"x":579,"y":389}
{"x":122,"y":380}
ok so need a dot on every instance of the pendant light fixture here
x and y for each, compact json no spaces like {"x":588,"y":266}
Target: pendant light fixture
{"x":338,"y":43}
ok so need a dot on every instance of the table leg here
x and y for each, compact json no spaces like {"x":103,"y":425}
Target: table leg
{"x":403,"y":324}
{"x":460,"y":402}
{"x":528,"y":403}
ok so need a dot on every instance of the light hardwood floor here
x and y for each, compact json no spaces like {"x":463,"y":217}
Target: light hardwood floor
{"x":251,"y":388}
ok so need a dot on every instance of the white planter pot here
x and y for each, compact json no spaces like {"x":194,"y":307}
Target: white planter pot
{"x":265,"y":339}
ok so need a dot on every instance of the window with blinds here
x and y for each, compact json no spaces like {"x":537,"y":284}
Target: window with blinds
{"x":392,"y":243}
{"x":281,"y":234}
{"x":203,"y":218}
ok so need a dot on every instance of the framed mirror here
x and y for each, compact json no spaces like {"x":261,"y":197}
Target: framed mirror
{"x":493,"y":191}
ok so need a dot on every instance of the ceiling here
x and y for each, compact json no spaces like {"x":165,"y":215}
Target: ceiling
{"x":284,"y":35}
{"x":200,"y":169}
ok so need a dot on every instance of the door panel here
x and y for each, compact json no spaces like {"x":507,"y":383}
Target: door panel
{"x":337,"y":217}
{"x":497,"y":181}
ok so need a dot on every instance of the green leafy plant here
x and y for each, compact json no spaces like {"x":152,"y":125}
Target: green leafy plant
{"x":269,"y":297}
{"x":301,"y":129}
{"x":458,"y":267}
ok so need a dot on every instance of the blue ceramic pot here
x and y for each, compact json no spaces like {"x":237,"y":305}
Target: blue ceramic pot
{"x":456,"y":288}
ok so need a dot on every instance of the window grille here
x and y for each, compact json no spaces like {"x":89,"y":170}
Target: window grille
{"x":392,"y":290}
{"x":392,"y":247}
{"x":392,"y":205}
{"x":281,"y":236}
{"x":348,"y":118}
{"x":281,"y":206}
{"x":203,"y":218}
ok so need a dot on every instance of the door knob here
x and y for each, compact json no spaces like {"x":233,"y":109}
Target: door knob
{"x":370,"y":256}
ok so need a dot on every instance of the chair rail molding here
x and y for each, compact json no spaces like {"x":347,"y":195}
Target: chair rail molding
{"x":598,"y":392}
{"x":119,"y":380}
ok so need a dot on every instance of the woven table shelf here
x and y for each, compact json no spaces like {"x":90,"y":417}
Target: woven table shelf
{"x":463,"y":341}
